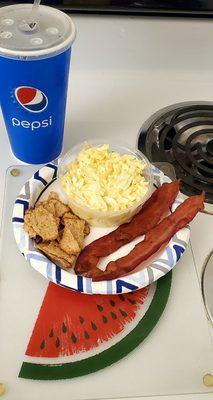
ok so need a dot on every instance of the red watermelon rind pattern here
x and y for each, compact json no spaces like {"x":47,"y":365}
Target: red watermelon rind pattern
{"x":111,"y":355}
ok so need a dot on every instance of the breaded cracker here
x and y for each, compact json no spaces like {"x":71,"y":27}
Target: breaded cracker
{"x":69,"y":215}
{"x":56,"y":254}
{"x":41,"y":222}
{"x":58,"y":233}
{"x":28,"y":224}
{"x":68,"y":243}
{"x":77,"y":228}
{"x":53,"y":203}
{"x":73,"y":234}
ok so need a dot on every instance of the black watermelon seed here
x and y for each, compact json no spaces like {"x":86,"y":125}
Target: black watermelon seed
{"x":86,"y":335}
{"x":132,"y":301}
{"x":94,"y":327}
{"x":105,"y":320}
{"x":81,"y":319}
{"x":42,"y":345}
{"x":57,"y":342}
{"x":121,"y":297}
{"x":114,"y":316}
{"x":51,"y":334}
{"x":73,"y":338}
{"x":112,"y":303}
{"x":123,"y":313}
{"x":64,"y":328}
{"x":100,"y":308}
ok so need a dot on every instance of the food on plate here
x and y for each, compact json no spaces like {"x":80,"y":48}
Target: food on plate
{"x":150,"y":214}
{"x":43,"y":220}
{"x":104,"y":186}
{"x":58,"y":233}
{"x":73,"y":235}
{"x":42,"y":223}
{"x":55,"y":206}
{"x":56,"y":254}
{"x":155,"y":238}
{"x":105,"y":180}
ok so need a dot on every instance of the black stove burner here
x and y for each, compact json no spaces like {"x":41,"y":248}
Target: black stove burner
{"x":209,"y":147}
{"x":183,"y":136}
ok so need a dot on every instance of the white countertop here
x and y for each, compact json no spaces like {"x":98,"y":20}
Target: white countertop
{"x":123,"y":69}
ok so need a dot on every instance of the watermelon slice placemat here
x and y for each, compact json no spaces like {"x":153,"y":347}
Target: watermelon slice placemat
{"x":77,"y":334}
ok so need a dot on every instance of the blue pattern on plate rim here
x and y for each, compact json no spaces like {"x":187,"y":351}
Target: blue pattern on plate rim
{"x":28,"y":196}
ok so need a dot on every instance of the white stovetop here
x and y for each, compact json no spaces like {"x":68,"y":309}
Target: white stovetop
{"x":123,"y":70}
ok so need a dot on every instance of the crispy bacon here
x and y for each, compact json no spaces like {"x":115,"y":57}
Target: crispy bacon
{"x":157,"y":237}
{"x":150,"y":214}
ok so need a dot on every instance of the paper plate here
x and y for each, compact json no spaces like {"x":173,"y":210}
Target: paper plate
{"x":45,"y":180}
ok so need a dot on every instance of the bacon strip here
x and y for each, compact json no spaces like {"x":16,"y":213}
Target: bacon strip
{"x":150,"y":214}
{"x":158,"y":236}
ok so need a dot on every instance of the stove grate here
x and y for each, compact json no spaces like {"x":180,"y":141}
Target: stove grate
{"x":183,"y":136}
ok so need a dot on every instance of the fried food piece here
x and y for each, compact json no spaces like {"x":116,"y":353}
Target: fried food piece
{"x":56,"y":254}
{"x":54,"y":196}
{"x":77,"y":228}
{"x":68,"y":243}
{"x":57,"y":232}
{"x":150,"y":214}
{"x":39,"y":221}
{"x":28,"y":224}
{"x":55,"y":206}
{"x":73,"y":235}
{"x":69,"y":215}
{"x":157,"y":237}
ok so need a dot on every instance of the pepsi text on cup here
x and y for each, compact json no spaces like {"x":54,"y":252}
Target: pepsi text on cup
{"x":32,"y":125}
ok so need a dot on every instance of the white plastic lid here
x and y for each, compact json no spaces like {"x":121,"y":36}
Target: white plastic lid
{"x":53,"y":33}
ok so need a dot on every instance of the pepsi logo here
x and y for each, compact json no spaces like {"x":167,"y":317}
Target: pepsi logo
{"x":31,"y":99}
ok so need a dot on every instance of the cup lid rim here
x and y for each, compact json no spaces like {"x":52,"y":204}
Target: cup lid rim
{"x":56,"y":49}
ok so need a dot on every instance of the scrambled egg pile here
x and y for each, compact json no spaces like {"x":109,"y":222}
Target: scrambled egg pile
{"x":104,"y":180}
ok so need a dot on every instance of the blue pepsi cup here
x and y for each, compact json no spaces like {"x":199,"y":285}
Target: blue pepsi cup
{"x":34,"y":70}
